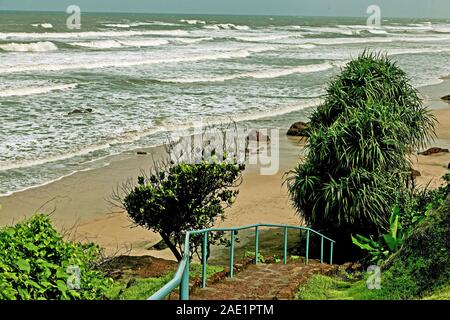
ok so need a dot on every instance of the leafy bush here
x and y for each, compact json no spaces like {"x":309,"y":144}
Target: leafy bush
{"x":387,"y":243}
{"x":35,"y":264}
{"x":422,"y":263}
{"x":184,"y":197}
{"x":403,"y":222}
{"x":356,"y":167}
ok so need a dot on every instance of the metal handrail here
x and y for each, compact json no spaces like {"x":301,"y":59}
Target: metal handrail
{"x":181,"y":277}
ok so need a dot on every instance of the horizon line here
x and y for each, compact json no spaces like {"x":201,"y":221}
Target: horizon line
{"x":219,"y":14}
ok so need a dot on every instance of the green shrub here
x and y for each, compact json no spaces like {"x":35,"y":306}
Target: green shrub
{"x":357,"y":167}
{"x":422,"y":263}
{"x":184,"y":197}
{"x":403,"y":222}
{"x":35,"y":263}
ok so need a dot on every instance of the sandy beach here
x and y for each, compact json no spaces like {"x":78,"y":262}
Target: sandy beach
{"x":80,"y":202}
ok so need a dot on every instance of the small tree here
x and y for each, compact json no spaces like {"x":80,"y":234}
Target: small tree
{"x":184,"y":197}
{"x":190,"y":190}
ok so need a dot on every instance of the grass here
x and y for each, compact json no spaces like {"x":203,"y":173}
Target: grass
{"x":440,"y":294}
{"x":143,"y":288}
{"x":320,"y":287}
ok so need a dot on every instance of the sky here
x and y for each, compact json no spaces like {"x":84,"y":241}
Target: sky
{"x":354,"y":8}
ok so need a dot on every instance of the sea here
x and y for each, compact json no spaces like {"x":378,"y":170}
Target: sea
{"x":133,"y":78}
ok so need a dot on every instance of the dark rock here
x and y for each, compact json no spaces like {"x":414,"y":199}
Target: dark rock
{"x":299,"y":129}
{"x":448,"y":166}
{"x":141,"y":152}
{"x":161,"y":245}
{"x":415,"y":173}
{"x":433,"y":151}
{"x":257,"y":136}
{"x":80,"y":111}
{"x":76,"y":111}
{"x":446,"y":98}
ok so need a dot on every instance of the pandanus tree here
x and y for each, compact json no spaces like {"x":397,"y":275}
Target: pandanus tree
{"x":357,"y":166}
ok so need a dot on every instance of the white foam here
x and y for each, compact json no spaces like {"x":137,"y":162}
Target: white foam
{"x":153,"y":23}
{"x":227,"y":26}
{"x":339,"y":30}
{"x":263,"y":38}
{"x":192,"y":40}
{"x":120,"y":63}
{"x":265,"y":74}
{"x":442,"y":29}
{"x":192,"y":22}
{"x":110,"y":44}
{"x":43,"y":25}
{"x":27,"y":91}
{"x":118,"y":25}
{"x":337,"y":41}
{"x":377,"y":31}
{"x":90,"y":34}
{"x":29,"y":47}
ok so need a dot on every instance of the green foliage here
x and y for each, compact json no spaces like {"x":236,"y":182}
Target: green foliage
{"x":35,"y":264}
{"x":412,"y":212}
{"x":442,"y":293}
{"x":184,"y":197}
{"x":143,"y":288}
{"x":356,"y":166}
{"x":261,"y":258}
{"x":422,"y":263}
{"x":320,"y":287}
{"x":387,"y":244}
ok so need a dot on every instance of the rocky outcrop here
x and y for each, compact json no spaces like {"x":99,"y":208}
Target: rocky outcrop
{"x":446,"y":98}
{"x":299,"y":129}
{"x":80,"y":111}
{"x":415,"y":173}
{"x":433,"y":150}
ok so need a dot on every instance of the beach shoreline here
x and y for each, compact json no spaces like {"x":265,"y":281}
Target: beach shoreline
{"x":81,"y":202}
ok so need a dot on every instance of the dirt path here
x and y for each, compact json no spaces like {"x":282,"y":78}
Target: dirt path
{"x":263,"y":282}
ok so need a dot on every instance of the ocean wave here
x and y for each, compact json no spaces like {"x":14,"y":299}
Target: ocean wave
{"x":336,"y":30}
{"x":265,"y":74}
{"x":338,"y":41}
{"x":416,"y":51}
{"x":193,"y":22}
{"x":442,"y":29}
{"x":111,"y":44}
{"x":43,"y":25}
{"x":27,"y":91}
{"x":264,"y":38}
{"x":191,"y":40}
{"x":130,"y":136}
{"x":242,"y":53}
{"x":227,"y":26}
{"x":117,"y":25}
{"x":90,"y":34}
{"x":29,"y":47}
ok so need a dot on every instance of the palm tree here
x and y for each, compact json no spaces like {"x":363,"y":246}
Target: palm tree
{"x":357,"y":165}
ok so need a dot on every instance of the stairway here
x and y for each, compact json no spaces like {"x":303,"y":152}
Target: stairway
{"x":263,"y":282}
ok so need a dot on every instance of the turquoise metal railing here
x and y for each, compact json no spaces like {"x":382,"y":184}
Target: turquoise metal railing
{"x":181,"y":277}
